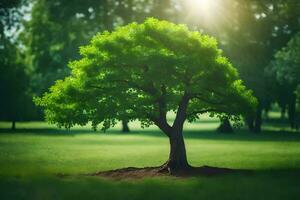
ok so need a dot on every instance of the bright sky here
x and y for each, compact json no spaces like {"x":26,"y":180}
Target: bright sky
{"x":204,"y":8}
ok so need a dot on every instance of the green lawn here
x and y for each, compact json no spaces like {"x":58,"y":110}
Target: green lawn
{"x":31,"y":158}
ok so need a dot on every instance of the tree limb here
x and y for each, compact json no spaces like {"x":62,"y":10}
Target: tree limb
{"x":181,"y":112}
{"x":204,"y":111}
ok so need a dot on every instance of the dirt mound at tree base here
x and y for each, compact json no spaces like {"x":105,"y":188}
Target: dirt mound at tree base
{"x":138,"y":173}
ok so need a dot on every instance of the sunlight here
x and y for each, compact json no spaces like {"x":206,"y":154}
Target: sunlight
{"x":204,"y":5}
{"x":208,"y":9}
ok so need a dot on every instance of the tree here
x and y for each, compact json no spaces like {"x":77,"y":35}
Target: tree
{"x":297,"y":124}
{"x":286,"y":69}
{"x":15,"y":101}
{"x":142,"y":71}
{"x":225,"y":126}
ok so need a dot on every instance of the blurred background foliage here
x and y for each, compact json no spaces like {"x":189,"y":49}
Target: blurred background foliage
{"x":39,"y":37}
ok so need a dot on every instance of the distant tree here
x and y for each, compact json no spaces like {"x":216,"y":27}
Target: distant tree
{"x":142,"y":71}
{"x":286,"y":69}
{"x":125,"y":127}
{"x":297,"y":120}
{"x":264,"y":27}
{"x":15,"y":101}
{"x":286,"y":64}
{"x":225,"y":126}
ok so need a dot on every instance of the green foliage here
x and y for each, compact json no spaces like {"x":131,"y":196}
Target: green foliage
{"x":9,"y":14}
{"x":298,"y":99}
{"x":286,"y":65}
{"x":141,"y":70}
{"x":283,"y":74}
{"x":252,"y":31}
{"x":51,"y":40}
{"x":58,"y":27}
{"x":15,"y":101}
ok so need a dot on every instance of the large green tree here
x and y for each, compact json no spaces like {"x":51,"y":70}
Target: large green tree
{"x":142,"y":71}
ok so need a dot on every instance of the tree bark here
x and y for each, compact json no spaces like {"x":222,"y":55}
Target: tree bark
{"x":292,"y":111}
{"x":282,"y":113}
{"x":177,"y":158}
{"x":254,"y":123}
{"x":177,"y":161}
{"x":13,"y":125}
{"x":250,"y":123}
{"x":258,"y":121}
{"x":125,"y":127}
{"x":225,"y":126}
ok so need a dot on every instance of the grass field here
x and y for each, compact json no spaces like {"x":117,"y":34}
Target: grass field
{"x":31,"y":158}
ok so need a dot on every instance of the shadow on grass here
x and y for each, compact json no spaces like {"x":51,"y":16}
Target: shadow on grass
{"x":47,"y":131}
{"x":274,"y":184}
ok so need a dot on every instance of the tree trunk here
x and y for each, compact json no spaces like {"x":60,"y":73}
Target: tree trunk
{"x":13,"y":125}
{"x":177,"y":157}
{"x":292,"y":111}
{"x":125,"y":128}
{"x":225,"y":126}
{"x":258,"y":121}
{"x":177,"y":161}
{"x":297,"y":121}
{"x":282,"y":113}
{"x":250,"y":123}
{"x":266,"y":113}
{"x":254,"y":123}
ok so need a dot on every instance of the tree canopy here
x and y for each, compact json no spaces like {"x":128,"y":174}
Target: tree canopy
{"x":284,"y":72}
{"x":15,"y":102}
{"x":286,"y":64}
{"x":286,"y":69}
{"x":142,"y":71}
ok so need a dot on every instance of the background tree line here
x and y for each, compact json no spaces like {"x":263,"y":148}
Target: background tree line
{"x":39,"y":38}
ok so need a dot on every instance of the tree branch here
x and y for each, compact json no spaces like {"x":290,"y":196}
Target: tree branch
{"x":204,"y":111}
{"x":164,"y":126}
{"x":181,"y":112}
{"x":150,"y":90}
{"x":197,"y":96}
{"x":161,"y":121}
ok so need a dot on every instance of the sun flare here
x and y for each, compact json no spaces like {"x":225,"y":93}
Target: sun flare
{"x":203,"y":5}
{"x":204,"y":8}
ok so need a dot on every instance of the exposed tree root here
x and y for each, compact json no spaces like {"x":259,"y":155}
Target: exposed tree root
{"x":164,"y":170}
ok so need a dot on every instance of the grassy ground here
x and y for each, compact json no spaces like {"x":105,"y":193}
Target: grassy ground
{"x":31,"y":157}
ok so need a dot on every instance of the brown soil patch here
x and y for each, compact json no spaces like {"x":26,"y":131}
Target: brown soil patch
{"x":138,"y":173}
